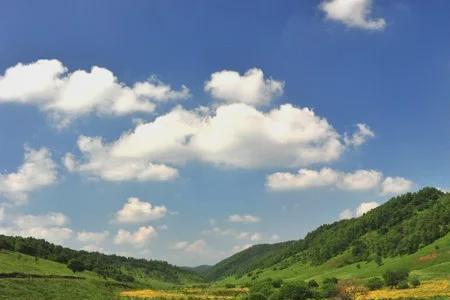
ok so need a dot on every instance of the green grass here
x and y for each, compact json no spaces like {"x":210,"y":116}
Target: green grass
{"x":429,"y":269}
{"x":58,"y":289}
{"x":15,"y":262}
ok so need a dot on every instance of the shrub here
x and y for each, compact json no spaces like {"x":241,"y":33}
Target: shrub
{"x":277,"y":283}
{"x":296,"y":291}
{"x":374,"y":283}
{"x":403,"y":285}
{"x":415,"y":282}
{"x":76,"y":265}
{"x":257,"y":296}
{"x":394,"y":278}
{"x":330,"y":280}
{"x":313,"y":284}
{"x":264,"y":288}
{"x":230,"y":286}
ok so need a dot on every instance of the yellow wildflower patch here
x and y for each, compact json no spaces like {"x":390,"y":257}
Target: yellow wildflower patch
{"x":426,"y":289}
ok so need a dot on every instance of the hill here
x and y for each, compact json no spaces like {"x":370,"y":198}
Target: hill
{"x":401,"y":226}
{"x":39,"y":257}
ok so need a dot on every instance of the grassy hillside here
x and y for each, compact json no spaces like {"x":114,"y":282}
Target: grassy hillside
{"x":430,"y":262}
{"x":402,"y":226}
{"x":119,"y":268}
{"x":25,"y":277}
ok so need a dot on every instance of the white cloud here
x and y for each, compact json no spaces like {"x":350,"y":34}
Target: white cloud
{"x":47,"y":220}
{"x":38,"y":170}
{"x":396,"y":185}
{"x":92,"y":238}
{"x":243,"y":219}
{"x":359,"y":211}
{"x":93,"y":248}
{"x":238,"y":235}
{"x":99,"y":163}
{"x":138,"y":238}
{"x":239,"y":248}
{"x":303,"y":179}
{"x":136,"y":211}
{"x":365,"y":207}
{"x":256,"y":237}
{"x":360,"y":180}
{"x":251,"y":88}
{"x":360,"y":136}
{"x":50,"y":226}
{"x":235,"y":135}
{"x":196,"y":247}
{"x":306,"y":179}
{"x":68,"y":95}
{"x":353,"y":13}
{"x":346,"y":214}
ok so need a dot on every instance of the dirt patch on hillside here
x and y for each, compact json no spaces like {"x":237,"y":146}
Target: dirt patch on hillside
{"x":433,"y":255}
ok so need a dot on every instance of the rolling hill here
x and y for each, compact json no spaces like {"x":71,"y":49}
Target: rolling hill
{"x":402,"y":229}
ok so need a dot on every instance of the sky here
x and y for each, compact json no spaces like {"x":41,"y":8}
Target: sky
{"x":189,"y":130}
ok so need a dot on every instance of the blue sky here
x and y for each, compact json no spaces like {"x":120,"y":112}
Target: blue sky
{"x":206,"y":126}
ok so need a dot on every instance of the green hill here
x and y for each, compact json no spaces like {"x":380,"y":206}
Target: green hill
{"x":394,"y":231}
{"x":35,"y":269}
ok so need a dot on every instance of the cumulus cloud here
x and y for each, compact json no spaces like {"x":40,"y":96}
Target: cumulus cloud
{"x":353,"y":13}
{"x":139,"y":238}
{"x":360,"y":136}
{"x":66,"y":95}
{"x":98,"y":162}
{"x":196,"y":247}
{"x":365,"y":207}
{"x":306,"y":179}
{"x":396,"y":185}
{"x":92,"y":238}
{"x":233,"y":135}
{"x":346,"y":214}
{"x":235,"y":234}
{"x":251,"y":88}
{"x":359,"y":211}
{"x":51,"y":226}
{"x":137,"y":211}
{"x":38,"y":170}
{"x":243,"y":219}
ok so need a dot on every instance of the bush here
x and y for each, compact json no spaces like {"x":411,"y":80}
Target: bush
{"x":277,"y":283}
{"x":374,"y":283}
{"x":330,"y":280}
{"x":257,"y":296}
{"x":76,"y":265}
{"x":394,"y":278}
{"x":264,"y":288}
{"x":403,"y":285}
{"x":415,"y":282}
{"x":313,"y":284}
{"x":296,"y":291}
{"x":230,"y":285}
{"x":329,"y":287}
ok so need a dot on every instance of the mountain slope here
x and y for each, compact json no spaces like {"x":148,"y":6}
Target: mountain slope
{"x":118,"y":268}
{"x":402,"y":225}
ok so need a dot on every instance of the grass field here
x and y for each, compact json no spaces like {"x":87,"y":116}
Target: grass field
{"x":430,"y":262}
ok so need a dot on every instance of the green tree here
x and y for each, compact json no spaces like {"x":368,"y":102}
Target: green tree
{"x":296,"y":291}
{"x":394,"y":278}
{"x":374,"y":283}
{"x":76,"y":265}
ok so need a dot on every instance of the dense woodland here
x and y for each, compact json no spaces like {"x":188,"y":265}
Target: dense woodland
{"x":400,"y":226}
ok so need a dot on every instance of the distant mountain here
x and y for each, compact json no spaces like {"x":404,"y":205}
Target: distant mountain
{"x":401,"y":226}
{"x":202,"y":269}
